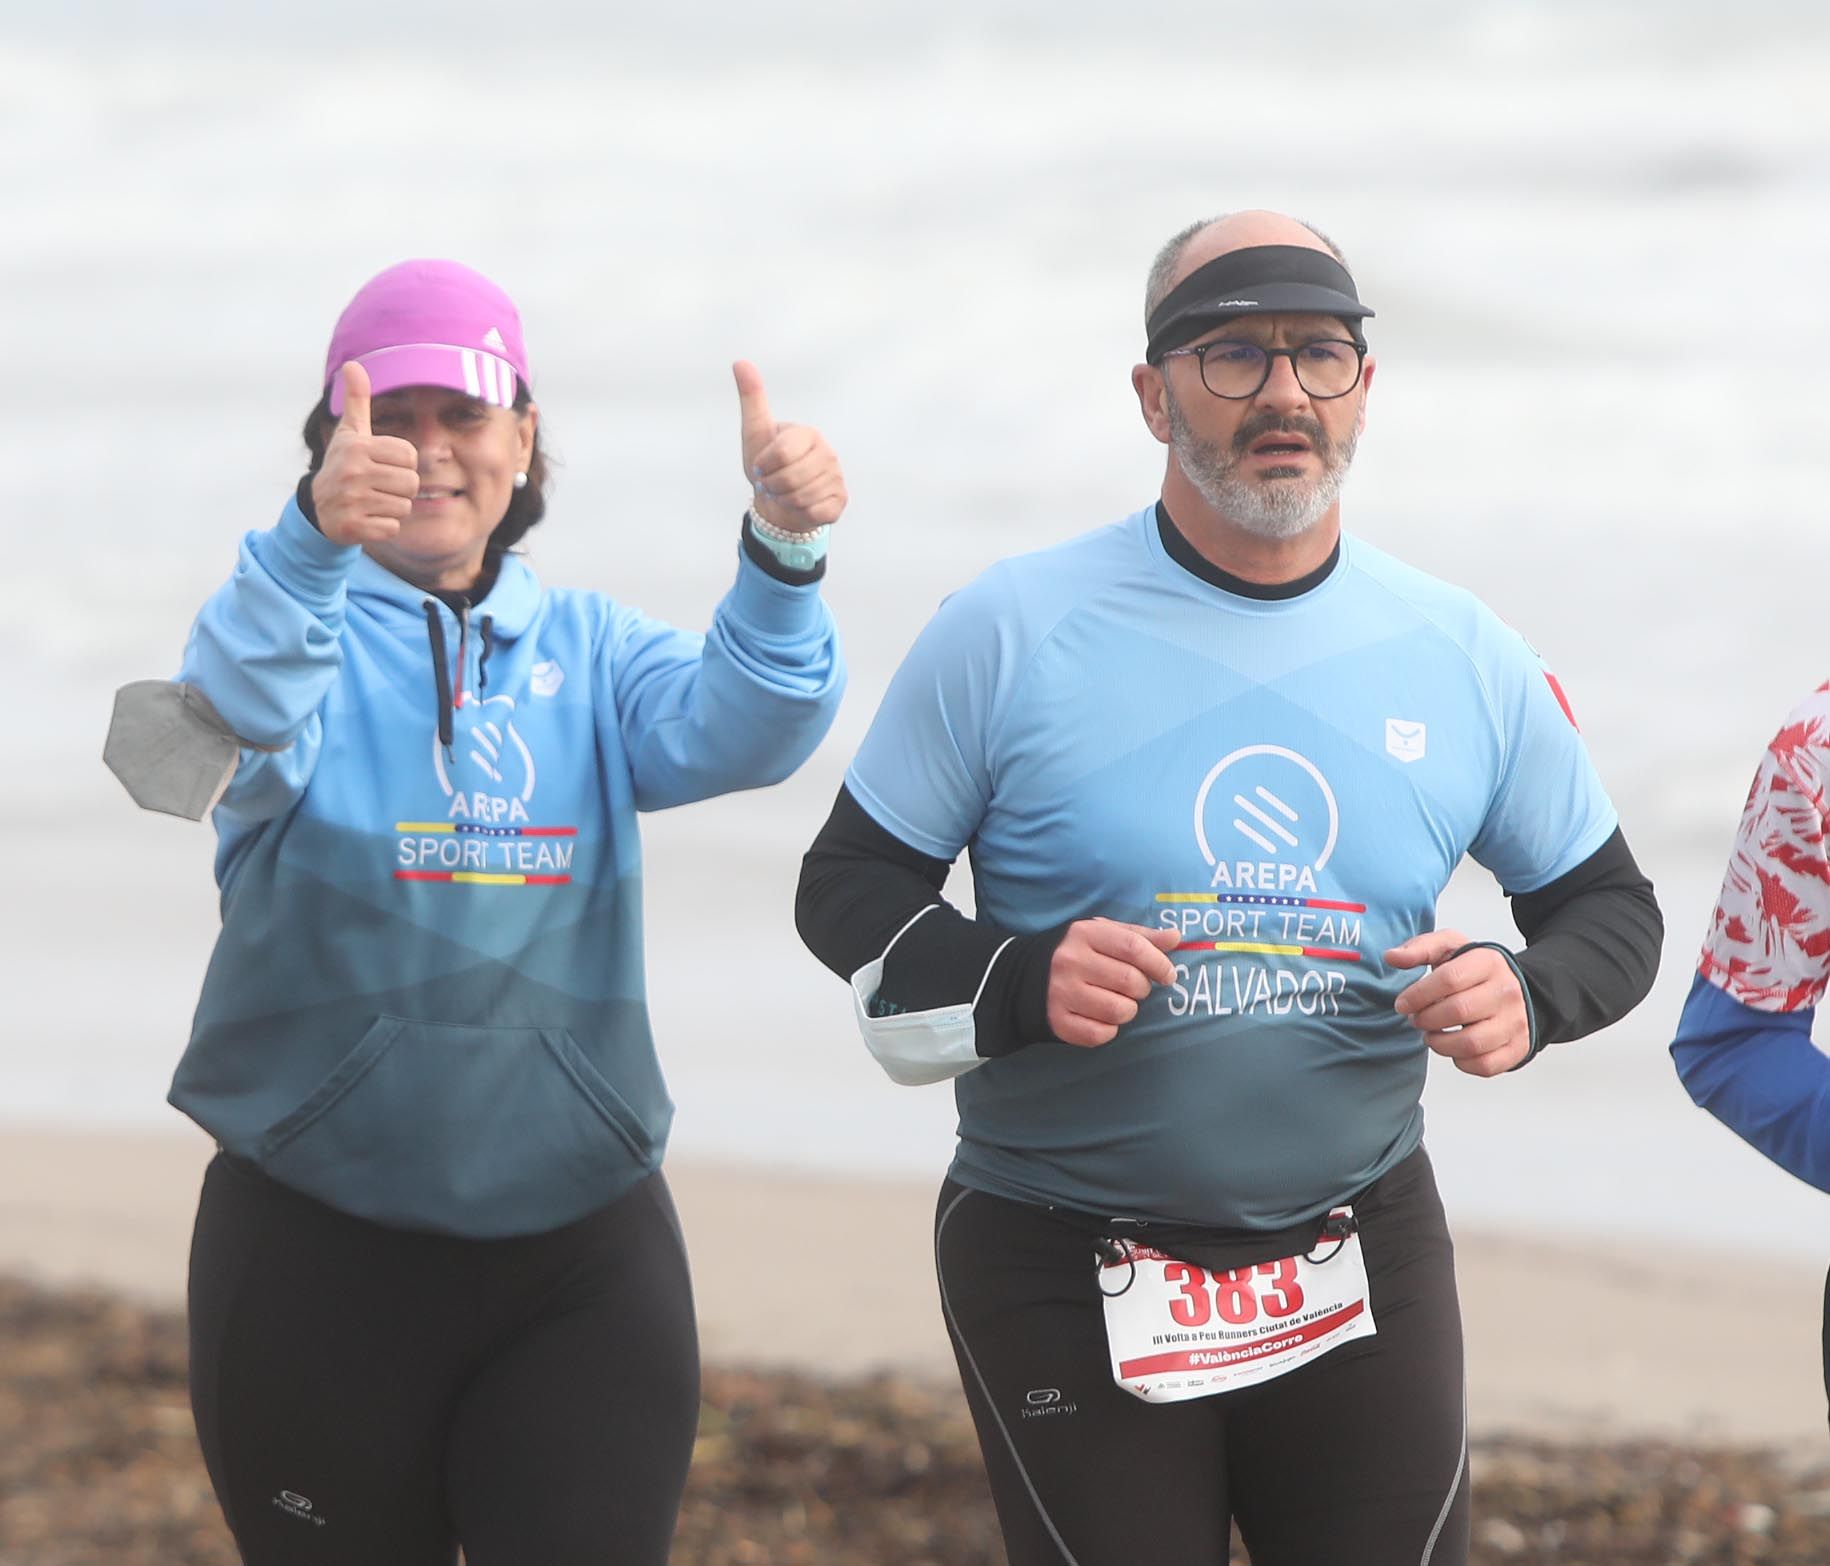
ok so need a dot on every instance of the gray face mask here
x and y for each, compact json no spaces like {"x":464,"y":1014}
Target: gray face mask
{"x":170,"y":748}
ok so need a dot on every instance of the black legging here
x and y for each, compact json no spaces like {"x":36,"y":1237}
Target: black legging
{"x":376,"y":1397}
{"x":1359,"y":1456}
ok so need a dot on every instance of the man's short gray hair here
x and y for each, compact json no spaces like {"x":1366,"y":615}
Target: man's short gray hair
{"x":1169,"y":258}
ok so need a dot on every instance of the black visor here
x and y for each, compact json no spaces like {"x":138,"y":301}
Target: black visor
{"x":1253,"y":281}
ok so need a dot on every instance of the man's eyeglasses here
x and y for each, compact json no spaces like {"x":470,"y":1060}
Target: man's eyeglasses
{"x":1237,"y":370}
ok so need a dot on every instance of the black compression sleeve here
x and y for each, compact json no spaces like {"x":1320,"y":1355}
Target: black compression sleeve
{"x":860,"y":885}
{"x":1592,"y":940}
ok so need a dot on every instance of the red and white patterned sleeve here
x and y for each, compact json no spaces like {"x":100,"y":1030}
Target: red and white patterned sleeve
{"x":1769,"y":941}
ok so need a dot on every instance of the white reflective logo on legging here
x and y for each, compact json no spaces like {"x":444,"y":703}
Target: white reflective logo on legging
{"x":300,"y":1506}
{"x":1046,"y":1402}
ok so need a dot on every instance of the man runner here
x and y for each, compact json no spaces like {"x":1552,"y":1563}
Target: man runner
{"x":1214,"y":764}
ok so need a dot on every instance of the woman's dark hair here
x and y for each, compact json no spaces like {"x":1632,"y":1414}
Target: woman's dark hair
{"x":525,"y":506}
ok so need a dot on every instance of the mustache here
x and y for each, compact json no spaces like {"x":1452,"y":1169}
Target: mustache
{"x":1262,"y":424}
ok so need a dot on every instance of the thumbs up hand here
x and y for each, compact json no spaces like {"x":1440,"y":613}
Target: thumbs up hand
{"x":366,"y":483}
{"x":795,"y":474}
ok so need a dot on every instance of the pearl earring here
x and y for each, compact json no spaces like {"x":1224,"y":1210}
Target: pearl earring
{"x":520,"y":481}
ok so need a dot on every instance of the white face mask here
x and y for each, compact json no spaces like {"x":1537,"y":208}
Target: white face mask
{"x":918,"y":1047}
{"x":170,"y":748}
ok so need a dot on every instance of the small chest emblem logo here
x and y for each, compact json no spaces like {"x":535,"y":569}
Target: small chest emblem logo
{"x":547,"y":678}
{"x":1404,"y":739}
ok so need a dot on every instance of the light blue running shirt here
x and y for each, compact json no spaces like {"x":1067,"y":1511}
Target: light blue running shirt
{"x":1287,"y":783}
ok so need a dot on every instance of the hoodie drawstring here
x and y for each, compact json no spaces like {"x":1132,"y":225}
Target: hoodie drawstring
{"x":441,"y":672}
{"x":451,"y":691}
{"x":463,"y":661}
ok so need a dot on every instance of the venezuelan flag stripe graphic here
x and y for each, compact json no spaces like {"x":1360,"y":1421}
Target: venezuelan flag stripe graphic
{"x":1261,"y":899}
{"x":1270,"y":948}
{"x":481,"y":878}
{"x":482,"y":830}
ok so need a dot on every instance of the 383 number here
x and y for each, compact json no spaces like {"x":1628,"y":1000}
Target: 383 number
{"x":1239,"y":1295}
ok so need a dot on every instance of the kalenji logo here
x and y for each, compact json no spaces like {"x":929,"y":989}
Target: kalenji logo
{"x":295,"y":1505}
{"x":1043,"y":1395}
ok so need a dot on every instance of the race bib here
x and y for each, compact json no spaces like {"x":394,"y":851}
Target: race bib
{"x":1178,"y":1331}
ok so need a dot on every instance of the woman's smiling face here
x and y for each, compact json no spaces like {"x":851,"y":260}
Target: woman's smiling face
{"x":469,"y":453}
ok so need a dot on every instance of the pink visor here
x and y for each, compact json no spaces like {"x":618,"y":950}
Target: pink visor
{"x":430,"y":323}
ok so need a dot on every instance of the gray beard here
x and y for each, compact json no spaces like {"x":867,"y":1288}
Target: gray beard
{"x":1280,"y":504}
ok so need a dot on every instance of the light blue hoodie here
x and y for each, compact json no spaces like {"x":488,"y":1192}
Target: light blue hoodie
{"x":427,"y":1005}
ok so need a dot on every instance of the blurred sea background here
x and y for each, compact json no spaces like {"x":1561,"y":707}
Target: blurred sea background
{"x":1597,"y":236}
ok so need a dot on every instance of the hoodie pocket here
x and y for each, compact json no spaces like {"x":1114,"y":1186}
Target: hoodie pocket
{"x":468,"y":1130}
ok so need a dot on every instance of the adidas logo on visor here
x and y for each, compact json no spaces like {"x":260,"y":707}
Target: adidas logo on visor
{"x":487,"y":377}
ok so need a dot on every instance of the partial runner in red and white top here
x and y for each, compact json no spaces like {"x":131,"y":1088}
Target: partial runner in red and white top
{"x":1769,"y":943}
{"x":1743,"y":1046}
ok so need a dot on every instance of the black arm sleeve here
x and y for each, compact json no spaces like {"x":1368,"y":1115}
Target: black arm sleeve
{"x":1592,"y":941}
{"x":860,"y":885}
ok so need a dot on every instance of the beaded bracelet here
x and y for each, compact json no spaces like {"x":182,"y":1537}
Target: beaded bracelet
{"x":797,"y":551}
